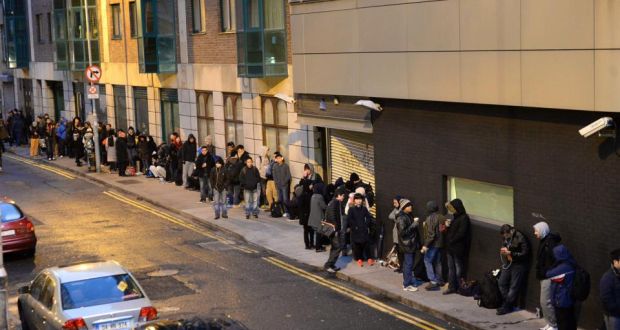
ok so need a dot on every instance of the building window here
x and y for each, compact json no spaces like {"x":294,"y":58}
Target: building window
{"x":170,"y":119}
{"x":486,"y":202}
{"x":157,"y":36}
{"x":198,"y":24}
{"x":133,"y":19}
{"x":71,"y":39}
{"x":100,"y":105}
{"x":16,"y":34}
{"x":275,"y":125}
{"x":116,"y":21}
{"x":61,"y":41}
{"x":78,"y":98}
{"x":39,"y":19}
{"x":233,"y":118}
{"x":141,"y":106}
{"x":49,"y":28}
{"x":120,"y":107}
{"x":261,"y":39}
{"x":227,"y":13}
{"x":206,"y":120}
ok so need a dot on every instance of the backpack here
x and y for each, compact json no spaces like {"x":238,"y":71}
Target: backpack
{"x":581,"y":284}
{"x":276,"y":210}
{"x":490,"y":296}
{"x":468,"y":288}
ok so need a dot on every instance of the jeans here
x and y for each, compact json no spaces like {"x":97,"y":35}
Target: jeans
{"x":432,"y":261}
{"x":334,"y":252}
{"x":133,"y":154}
{"x":188,"y":167}
{"x":204,"y":188}
{"x":455,"y":271}
{"x":612,"y":322}
{"x":219,"y":203}
{"x":545,"y":302}
{"x":284,"y":194}
{"x":407,"y":266}
{"x":510,"y":283}
{"x":251,"y":201}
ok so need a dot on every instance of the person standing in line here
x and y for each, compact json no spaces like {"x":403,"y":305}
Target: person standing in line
{"x":282,"y":179}
{"x":219,"y":182}
{"x":562,"y":275}
{"x":544,"y":261}
{"x":249,"y":179}
{"x":408,"y":242}
{"x":122,"y":153}
{"x":110,"y":147}
{"x":458,"y":237}
{"x":264,"y":167}
{"x":333,"y":215}
{"x":188,"y":157}
{"x":204,"y":164}
{"x":392,"y":217}
{"x":359,"y":221}
{"x":61,"y":136}
{"x":317,"y":214}
{"x":610,"y":292}
{"x":77,"y":147}
{"x":515,"y":253}
{"x":433,"y":243}
{"x":34,"y":140}
{"x":132,"y":147}
{"x":50,"y":138}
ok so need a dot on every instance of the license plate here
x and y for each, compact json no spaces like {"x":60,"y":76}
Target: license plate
{"x":116,"y":325}
{"x":8,"y":233}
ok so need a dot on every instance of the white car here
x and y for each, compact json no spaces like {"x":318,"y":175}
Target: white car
{"x":96,"y":296}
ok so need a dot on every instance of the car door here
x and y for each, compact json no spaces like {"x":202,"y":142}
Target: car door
{"x":44,"y":304}
{"x":28,"y":302}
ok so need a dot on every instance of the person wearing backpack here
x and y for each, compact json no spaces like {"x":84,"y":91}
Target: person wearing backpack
{"x":544,"y":262}
{"x":408,"y":242}
{"x":562,"y":276}
{"x":610,"y":292}
{"x":515,"y":253}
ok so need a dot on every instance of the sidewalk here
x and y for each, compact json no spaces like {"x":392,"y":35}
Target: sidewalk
{"x":285,"y":238}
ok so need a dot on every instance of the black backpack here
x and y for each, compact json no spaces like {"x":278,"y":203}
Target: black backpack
{"x":276,"y":210}
{"x":490,"y":296}
{"x":581,"y":284}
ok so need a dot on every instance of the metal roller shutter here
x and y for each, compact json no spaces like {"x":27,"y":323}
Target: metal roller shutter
{"x":352,"y":152}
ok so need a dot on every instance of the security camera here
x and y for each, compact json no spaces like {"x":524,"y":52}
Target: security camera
{"x":597,"y":126}
{"x":369,"y":104}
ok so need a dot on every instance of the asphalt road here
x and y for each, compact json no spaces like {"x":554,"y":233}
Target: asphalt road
{"x":215,"y":276}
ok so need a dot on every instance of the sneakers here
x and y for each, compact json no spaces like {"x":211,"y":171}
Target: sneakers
{"x":255,"y":216}
{"x":548,"y":327}
{"x":286,"y":215}
{"x":410,"y":288}
{"x":432,"y":287}
{"x":225,"y":216}
{"x":503,"y":311}
{"x":332,"y":270}
{"x":202,"y":201}
{"x":449,"y":291}
{"x":371,"y":262}
{"x":360,"y":262}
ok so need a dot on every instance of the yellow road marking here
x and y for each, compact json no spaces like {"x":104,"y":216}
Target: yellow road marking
{"x":177,"y":221}
{"x":418,"y":322}
{"x":48,"y":168}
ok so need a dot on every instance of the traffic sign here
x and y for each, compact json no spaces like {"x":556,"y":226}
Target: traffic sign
{"x":93,"y":92}
{"x":93,"y":73}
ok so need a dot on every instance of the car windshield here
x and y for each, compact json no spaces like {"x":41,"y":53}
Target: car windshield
{"x":99,"y":291}
{"x":9,"y":212}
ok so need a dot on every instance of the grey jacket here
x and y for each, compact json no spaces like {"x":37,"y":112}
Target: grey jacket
{"x":281,"y":175}
{"x":392,"y":217}
{"x":317,"y":211}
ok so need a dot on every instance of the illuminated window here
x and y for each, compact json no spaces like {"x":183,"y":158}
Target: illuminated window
{"x":275,"y":125}
{"x":487,"y":202}
{"x":116,"y":22}
{"x":206,"y":118}
{"x":233,"y":118}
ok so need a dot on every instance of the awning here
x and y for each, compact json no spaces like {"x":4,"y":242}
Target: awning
{"x":344,"y":116}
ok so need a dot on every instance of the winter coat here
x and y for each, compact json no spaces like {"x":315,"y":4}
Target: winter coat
{"x":243,"y":157}
{"x":163,"y":156}
{"x":131,"y":141}
{"x":207,"y":161}
{"x":122,"y":154}
{"x":188,"y":151}
{"x":408,"y":234}
{"x":143,"y":149}
{"x":610,"y":292}
{"x":562,"y":275}
{"x":359,"y":221}
{"x":61,"y":132}
{"x":334,"y":212}
{"x":249,"y":178}
{"x":317,"y":210}
{"x":281,"y":175}
{"x":432,"y":235}
{"x":392,"y":217}
{"x":519,"y":247}
{"x":111,"y":149}
{"x":218,"y":178}
{"x":544,"y":256}
{"x":458,"y":235}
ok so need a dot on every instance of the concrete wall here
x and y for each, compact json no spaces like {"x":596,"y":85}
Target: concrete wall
{"x":540,"y":53}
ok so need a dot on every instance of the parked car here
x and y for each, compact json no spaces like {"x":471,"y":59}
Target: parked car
{"x":96,"y":295}
{"x":17,"y":230}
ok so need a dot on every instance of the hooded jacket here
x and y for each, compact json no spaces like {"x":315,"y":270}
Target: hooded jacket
{"x":562,"y":275}
{"x":610,"y":292}
{"x":188,"y":151}
{"x":544,"y":256}
{"x":432,"y":236}
{"x":207,"y":161}
{"x":61,"y":132}
{"x":131,"y":138}
{"x":458,"y":235}
{"x":163,"y":156}
{"x":143,"y":148}
{"x":407,"y":229}
{"x":317,"y":206}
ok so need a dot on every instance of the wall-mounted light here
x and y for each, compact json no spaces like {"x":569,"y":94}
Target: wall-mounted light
{"x":336,"y":100}
{"x":369,"y":105}
{"x":323,"y":105}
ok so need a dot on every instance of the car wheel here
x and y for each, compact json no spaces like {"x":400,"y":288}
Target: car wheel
{"x":22,"y":319}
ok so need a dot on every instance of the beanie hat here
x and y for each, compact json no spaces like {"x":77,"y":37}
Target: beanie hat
{"x":431,"y":207}
{"x":403,"y":203}
{"x":354,"y":177}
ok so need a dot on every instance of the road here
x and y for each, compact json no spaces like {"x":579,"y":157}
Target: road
{"x":210,"y":274}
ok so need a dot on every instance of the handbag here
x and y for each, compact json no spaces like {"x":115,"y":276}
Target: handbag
{"x":327,"y":229}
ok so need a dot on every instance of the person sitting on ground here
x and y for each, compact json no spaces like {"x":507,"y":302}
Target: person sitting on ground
{"x":161,"y":163}
{"x":359,"y":221}
{"x":408,"y":242}
{"x":610,"y":292}
{"x":562,"y":275}
{"x":219,"y":183}
{"x":515,"y":254}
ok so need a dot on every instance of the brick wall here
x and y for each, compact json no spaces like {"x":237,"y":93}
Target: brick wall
{"x":213,"y":46}
{"x":572,"y":181}
{"x":125,"y":49}
{"x":44,"y":50}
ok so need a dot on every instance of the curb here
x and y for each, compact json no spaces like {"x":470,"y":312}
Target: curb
{"x":363,"y":284}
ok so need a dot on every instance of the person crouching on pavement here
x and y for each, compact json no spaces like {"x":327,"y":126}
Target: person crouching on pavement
{"x":515,"y":253}
{"x":408,"y":242}
{"x":359,"y":221}
{"x":333,"y":215}
{"x":562,"y":276}
{"x":219,"y":183}
{"x":610,"y":292}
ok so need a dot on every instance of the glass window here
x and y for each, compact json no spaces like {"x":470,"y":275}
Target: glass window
{"x":206,"y":122}
{"x":275,"y":124}
{"x":49,"y":28}
{"x":120,"y":107}
{"x":99,"y":291}
{"x":47,"y":295}
{"x":133,"y":19}
{"x":100,"y":105}
{"x":9,"y":212}
{"x":39,"y":19}
{"x":16,"y":35}
{"x":169,"y":111}
{"x":78,"y":96}
{"x":141,"y":106}
{"x":233,"y":117}
{"x":157,"y":37}
{"x":197,"y":16}
{"x":116,"y":21}
{"x":487,"y":202}
{"x":37,"y":286}
{"x":227,"y":13}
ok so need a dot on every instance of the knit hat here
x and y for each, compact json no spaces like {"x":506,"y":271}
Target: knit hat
{"x":403,"y":203}
{"x":431,"y":206}
{"x":340,"y":191}
{"x":361,"y":191}
{"x":542,"y":228}
{"x":354,"y":177}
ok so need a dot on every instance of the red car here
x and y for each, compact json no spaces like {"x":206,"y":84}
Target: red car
{"x":17,"y":230}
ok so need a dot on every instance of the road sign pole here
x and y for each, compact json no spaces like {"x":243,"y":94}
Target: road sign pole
{"x":95,"y":120}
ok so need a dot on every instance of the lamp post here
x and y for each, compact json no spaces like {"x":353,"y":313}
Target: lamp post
{"x":95,"y":120}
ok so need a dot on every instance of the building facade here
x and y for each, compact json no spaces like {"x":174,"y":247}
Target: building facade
{"x":203,"y":67}
{"x":481,"y":100}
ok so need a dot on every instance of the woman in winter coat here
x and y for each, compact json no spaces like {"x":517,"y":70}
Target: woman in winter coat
{"x":50,"y":138}
{"x":392,"y":220}
{"x":132,"y":146}
{"x":122,"y":153}
{"x":188,"y":157}
{"x":219,"y":183}
{"x":264,"y":168}
{"x":110,"y":147}
{"x":77,"y":147}
{"x":359,"y":221}
{"x":317,"y":213}
{"x":562,"y":276}
{"x":143,"y":154}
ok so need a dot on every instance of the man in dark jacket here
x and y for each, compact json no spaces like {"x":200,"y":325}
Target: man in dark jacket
{"x":515,"y":254}
{"x":359,"y":221}
{"x":307,"y":181}
{"x":249,"y":178}
{"x":408,"y":242}
{"x":282,"y":179}
{"x":219,"y":183}
{"x":544,"y":262}
{"x":132,"y":146}
{"x":188,"y":157}
{"x":610,"y":292}
{"x":204,"y":164}
{"x":333,"y":216}
{"x":122,"y":153}
{"x":433,"y":243}
{"x":458,"y":237}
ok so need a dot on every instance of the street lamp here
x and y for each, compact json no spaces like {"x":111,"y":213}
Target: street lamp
{"x":95,"y":120}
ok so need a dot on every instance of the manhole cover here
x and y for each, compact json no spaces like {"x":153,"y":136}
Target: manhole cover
{"x":163,"y":273}
{"x":128,"y":181}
